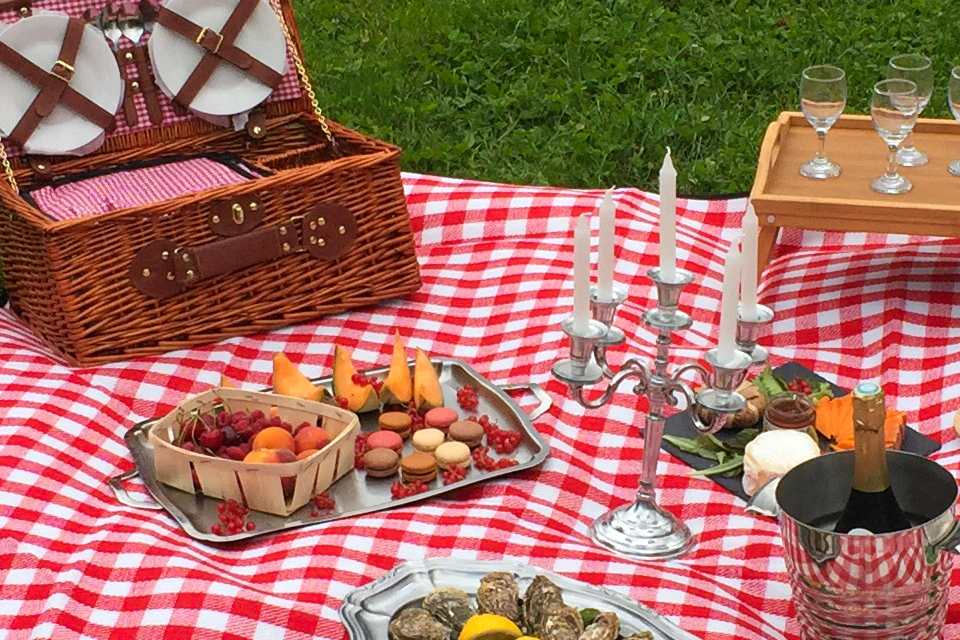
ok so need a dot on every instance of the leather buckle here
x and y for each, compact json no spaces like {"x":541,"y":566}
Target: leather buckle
{"x":203,"y":42}
{"x":62,"y":70}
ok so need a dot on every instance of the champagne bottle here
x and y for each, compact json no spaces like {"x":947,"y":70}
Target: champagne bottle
{"x":872,"y":505}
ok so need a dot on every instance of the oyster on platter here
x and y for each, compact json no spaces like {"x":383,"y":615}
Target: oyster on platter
{"x":414,"y":623}
{"x":499,"y":594}
{"x":452,"y":607}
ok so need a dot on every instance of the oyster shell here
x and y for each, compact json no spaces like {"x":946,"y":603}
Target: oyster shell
{"x":606,"y":626}
{"x":452,"y":607}
{"x":560,"y":622}
{"x":642,"y":635}
{"x":540,"y":596}
{"x":416,"y":624}
{"x":499,"y":594}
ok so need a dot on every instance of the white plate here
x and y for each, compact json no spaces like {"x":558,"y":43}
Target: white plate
{"x":229,"y":90}
{"x":39,"y":38}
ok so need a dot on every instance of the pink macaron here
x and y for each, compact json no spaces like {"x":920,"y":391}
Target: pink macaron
{"x":386,"y":440}
{"x":440,"y":418}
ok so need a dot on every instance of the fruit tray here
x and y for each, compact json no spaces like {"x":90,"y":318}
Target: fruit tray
{"x":355,"y":494}
{"x":367,"y":611}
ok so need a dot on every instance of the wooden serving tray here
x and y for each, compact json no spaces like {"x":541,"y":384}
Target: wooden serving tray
{"x":784,"y":198}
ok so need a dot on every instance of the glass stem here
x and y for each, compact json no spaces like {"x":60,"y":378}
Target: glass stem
{"x":907,"y":143}
{"x":892,"y":161}
{"x":821,"y":157}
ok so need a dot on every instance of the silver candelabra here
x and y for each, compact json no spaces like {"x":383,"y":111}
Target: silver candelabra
{"x":643,"y":529}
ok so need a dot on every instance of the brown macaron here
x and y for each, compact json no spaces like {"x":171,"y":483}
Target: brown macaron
{"x":418,"y":467}
{"x":468,"y":432}
{"x":381,"y":462}
{"x":396,"y":421}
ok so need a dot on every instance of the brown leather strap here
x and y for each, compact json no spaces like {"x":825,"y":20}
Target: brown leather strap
{"x":54,"y":86}
{"x":22,"y":7}
{"x":129,"y":102}
{"x":147,"y":85}
{"x":51,"y":91}
{"x":218,"y":46}
{"x":163,"y":269}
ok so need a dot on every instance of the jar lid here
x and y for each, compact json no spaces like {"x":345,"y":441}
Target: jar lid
{"x":94,"y":74}
{"x":229,"y":90}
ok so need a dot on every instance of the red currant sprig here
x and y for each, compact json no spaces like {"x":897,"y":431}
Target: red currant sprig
{"x":399,"y":490}
{"x":324,"y":503}
{"x":231,"y":515}
{"x":467,"y":398}
{"x":359,"y":449}
{"x":454,"y":474}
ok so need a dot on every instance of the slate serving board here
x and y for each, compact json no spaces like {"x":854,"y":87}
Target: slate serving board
{"x":681,"y":425}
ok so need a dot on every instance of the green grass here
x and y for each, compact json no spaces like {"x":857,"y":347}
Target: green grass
{"x":589,"y":92}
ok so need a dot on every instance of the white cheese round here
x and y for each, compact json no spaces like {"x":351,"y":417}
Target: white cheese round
{"x":772,"y":454}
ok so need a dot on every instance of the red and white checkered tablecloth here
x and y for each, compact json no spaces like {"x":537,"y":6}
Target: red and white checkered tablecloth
{"x":497,"y":267}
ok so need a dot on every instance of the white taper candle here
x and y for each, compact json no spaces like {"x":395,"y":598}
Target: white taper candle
{"x":608,"y":213}
{"x":728,"y":306}
{"x":668,"y":219}
{"x":748,"y":283}
{"x":581,"y":275}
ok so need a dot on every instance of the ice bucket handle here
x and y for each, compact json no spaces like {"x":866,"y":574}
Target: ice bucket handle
{"x":951,"y":542}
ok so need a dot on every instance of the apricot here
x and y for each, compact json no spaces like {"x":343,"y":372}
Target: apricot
{"x":306,"y":453}
{"x":274,"y":438}
{"x":310,"y":437}
{"x":261,"y":456}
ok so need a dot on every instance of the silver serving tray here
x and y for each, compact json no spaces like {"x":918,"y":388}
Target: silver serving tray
{"x":366,"y":612}
{"x":355,"y":493}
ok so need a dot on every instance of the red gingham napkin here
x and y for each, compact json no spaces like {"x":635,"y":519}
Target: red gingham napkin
{"x":497,"y":268}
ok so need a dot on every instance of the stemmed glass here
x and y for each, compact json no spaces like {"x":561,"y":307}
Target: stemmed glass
{"x":919,"y":70}
{"x":953,"y":96}
{"x":823,"y":96}
{"x":894,"y":109}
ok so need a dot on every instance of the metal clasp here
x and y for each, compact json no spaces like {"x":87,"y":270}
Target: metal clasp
{"x":63,"y":70}
{"x":203,"y":34}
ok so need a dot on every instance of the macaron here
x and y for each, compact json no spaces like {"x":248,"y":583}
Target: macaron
{"x":381,"y":462}
{"x":440,"y":418}
{"x":468,"y":432}
{"x":453,"y":454}
{"x":396,"y":421}
{"x":427,"y":440}
{"x":386,"y":440}
{"x":418,"y":467}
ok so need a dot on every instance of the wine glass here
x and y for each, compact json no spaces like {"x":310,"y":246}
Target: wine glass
{"x":894,"y":108}
{"x":823,"y":96}
{"x":919,"y":70}
{"x":953,"y":97}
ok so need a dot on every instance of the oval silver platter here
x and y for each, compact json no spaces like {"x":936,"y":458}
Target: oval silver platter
{"x":366,"y":612}
{"x":355,"y":494}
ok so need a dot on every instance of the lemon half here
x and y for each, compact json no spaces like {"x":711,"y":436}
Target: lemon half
{"x":487,"y":626}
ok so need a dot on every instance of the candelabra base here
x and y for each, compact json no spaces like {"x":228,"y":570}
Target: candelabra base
{"x":642,"y":531}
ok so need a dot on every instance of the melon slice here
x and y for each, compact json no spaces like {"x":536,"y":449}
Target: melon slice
{"x":427,"y":392}
{"x":359,"y":398}
{"x":289,"y":381}
{"x":398,"y":387}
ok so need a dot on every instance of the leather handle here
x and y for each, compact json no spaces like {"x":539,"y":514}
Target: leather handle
{"x":129,"y":104}
{"x":147,"y":86}
{"x":163,"y":269}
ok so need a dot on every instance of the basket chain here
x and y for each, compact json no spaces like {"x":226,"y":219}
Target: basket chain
{"x":8,"y":169}
{"x":304,"y":77}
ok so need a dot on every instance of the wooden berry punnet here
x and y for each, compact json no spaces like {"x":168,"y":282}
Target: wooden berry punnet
{"x":258,"y":486}
{"x":320,"y":228}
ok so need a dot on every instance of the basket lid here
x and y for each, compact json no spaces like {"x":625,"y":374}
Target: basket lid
{"x":280,"y":49}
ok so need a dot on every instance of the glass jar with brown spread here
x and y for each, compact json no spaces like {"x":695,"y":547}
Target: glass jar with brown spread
{"x":790,"y":410}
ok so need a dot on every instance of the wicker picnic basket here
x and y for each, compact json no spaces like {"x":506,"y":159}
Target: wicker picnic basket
{"x":326,"y":231}
{"x":258,"y":486}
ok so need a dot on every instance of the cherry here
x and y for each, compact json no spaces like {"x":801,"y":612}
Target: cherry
{"x":211,"y":439}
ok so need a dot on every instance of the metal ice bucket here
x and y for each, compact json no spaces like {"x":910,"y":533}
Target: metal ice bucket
{"x":869,"y":587}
